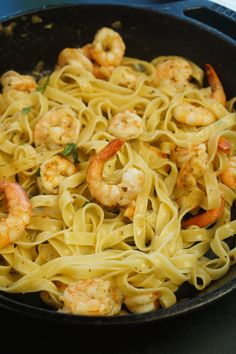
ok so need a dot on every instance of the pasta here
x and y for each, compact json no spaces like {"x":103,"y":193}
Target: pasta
{"x":129,"y":167}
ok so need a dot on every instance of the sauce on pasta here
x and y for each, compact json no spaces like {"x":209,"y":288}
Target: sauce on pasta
{"x":117,"y":177}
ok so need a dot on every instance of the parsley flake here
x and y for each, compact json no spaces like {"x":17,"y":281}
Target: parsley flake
{"x":42,"y":88}
{"x":71,"y":149}
{"x":26,"y":110}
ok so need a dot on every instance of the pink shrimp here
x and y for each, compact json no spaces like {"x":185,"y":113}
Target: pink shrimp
{"x":216,"y":86}
{"x":224,"y":145}
{"x":122,"y":194}
{"x":206,"y":218}
{"x":20,"y":210}
{"x":228,"y":176}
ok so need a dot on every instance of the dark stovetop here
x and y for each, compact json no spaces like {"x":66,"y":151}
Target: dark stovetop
{"x":209,"y":330}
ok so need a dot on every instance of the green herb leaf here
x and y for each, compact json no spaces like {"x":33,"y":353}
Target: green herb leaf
{"x":72,"y":149}
{"x":42,"y":88}
{"x":26,"y":110}
{"x":74,"y":154}
{"x":68,"y":149}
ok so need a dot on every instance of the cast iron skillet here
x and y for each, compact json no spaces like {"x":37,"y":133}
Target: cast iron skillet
{"x":199,"y":30}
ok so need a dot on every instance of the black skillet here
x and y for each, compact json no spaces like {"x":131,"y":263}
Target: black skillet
{"x":199,"y":30}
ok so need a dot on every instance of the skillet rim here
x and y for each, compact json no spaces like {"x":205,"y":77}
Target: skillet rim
{"x":179,"y":309}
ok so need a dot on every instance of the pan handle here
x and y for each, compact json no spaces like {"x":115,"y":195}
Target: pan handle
{"x":214,"y":17}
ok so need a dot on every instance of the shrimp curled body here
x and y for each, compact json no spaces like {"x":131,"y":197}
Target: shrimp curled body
{"x":122,"y":194}
{"x":192,"y":115}
{"x":74,"y":56}
{"x":175,"y":70}
{"x":92,"y":297}
{"x":127,"y":125}
{"x":195,"y":115}
{"x":56,"y":128}
{"x":11,"y":80}
{"x":206,"y":218}
{"x":217,"y":90}
{"x":108,"y":47}
{"x":53,"y":172}
{"x":228,"y":176}
{"x":19,"y":215}
{"x":192,"y":163}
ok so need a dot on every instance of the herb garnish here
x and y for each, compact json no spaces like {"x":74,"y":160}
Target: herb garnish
{"x":42,"y":88}
{"x":71,"y":149}
{"x":26,"y":110}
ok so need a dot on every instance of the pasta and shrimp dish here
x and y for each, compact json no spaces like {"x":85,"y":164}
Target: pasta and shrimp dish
{"x":117,"y":180}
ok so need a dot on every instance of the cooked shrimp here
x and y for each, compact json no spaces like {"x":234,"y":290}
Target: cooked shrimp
{"x":87,"y":51}
{"x":124,"y":77}
{"x":92,"y":297}
{"x":216,"y":86}
{"x":20,"y":211}
{"x":106,"y":194}
{"x":54,"y":171}
{"x":122,"y":194}
{"x":102,"y":72}
{"x":56,"y":128}
{"x":74,"y":56}
{"x":175,"y":70}
{"x":224,"y":145}
{"x":180,"y":155}
{"x":193,"y":168}
{"x":128,"y":80}
{"x":127,"y":125}
{"x":143,"y":303}
{"x":11,"y":80}
{"x":193,"y":115}
{"x":206,"y":218}
{"x":228,"y":176}
{"x":108,"y":47}
{"x":131,"y":185}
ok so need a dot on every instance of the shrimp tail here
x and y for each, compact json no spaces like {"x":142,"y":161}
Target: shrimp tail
{"x":110,"y":150}
{"x":206,"y":218}
{"x":216,"y":86}
{"x":19,"y":213}
{"x":224,"y":145}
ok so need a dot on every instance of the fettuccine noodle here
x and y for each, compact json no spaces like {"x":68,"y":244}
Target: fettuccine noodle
{"x":141,"y":250}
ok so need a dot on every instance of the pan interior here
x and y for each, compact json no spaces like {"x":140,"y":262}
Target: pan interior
{"x":29,"y":42}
